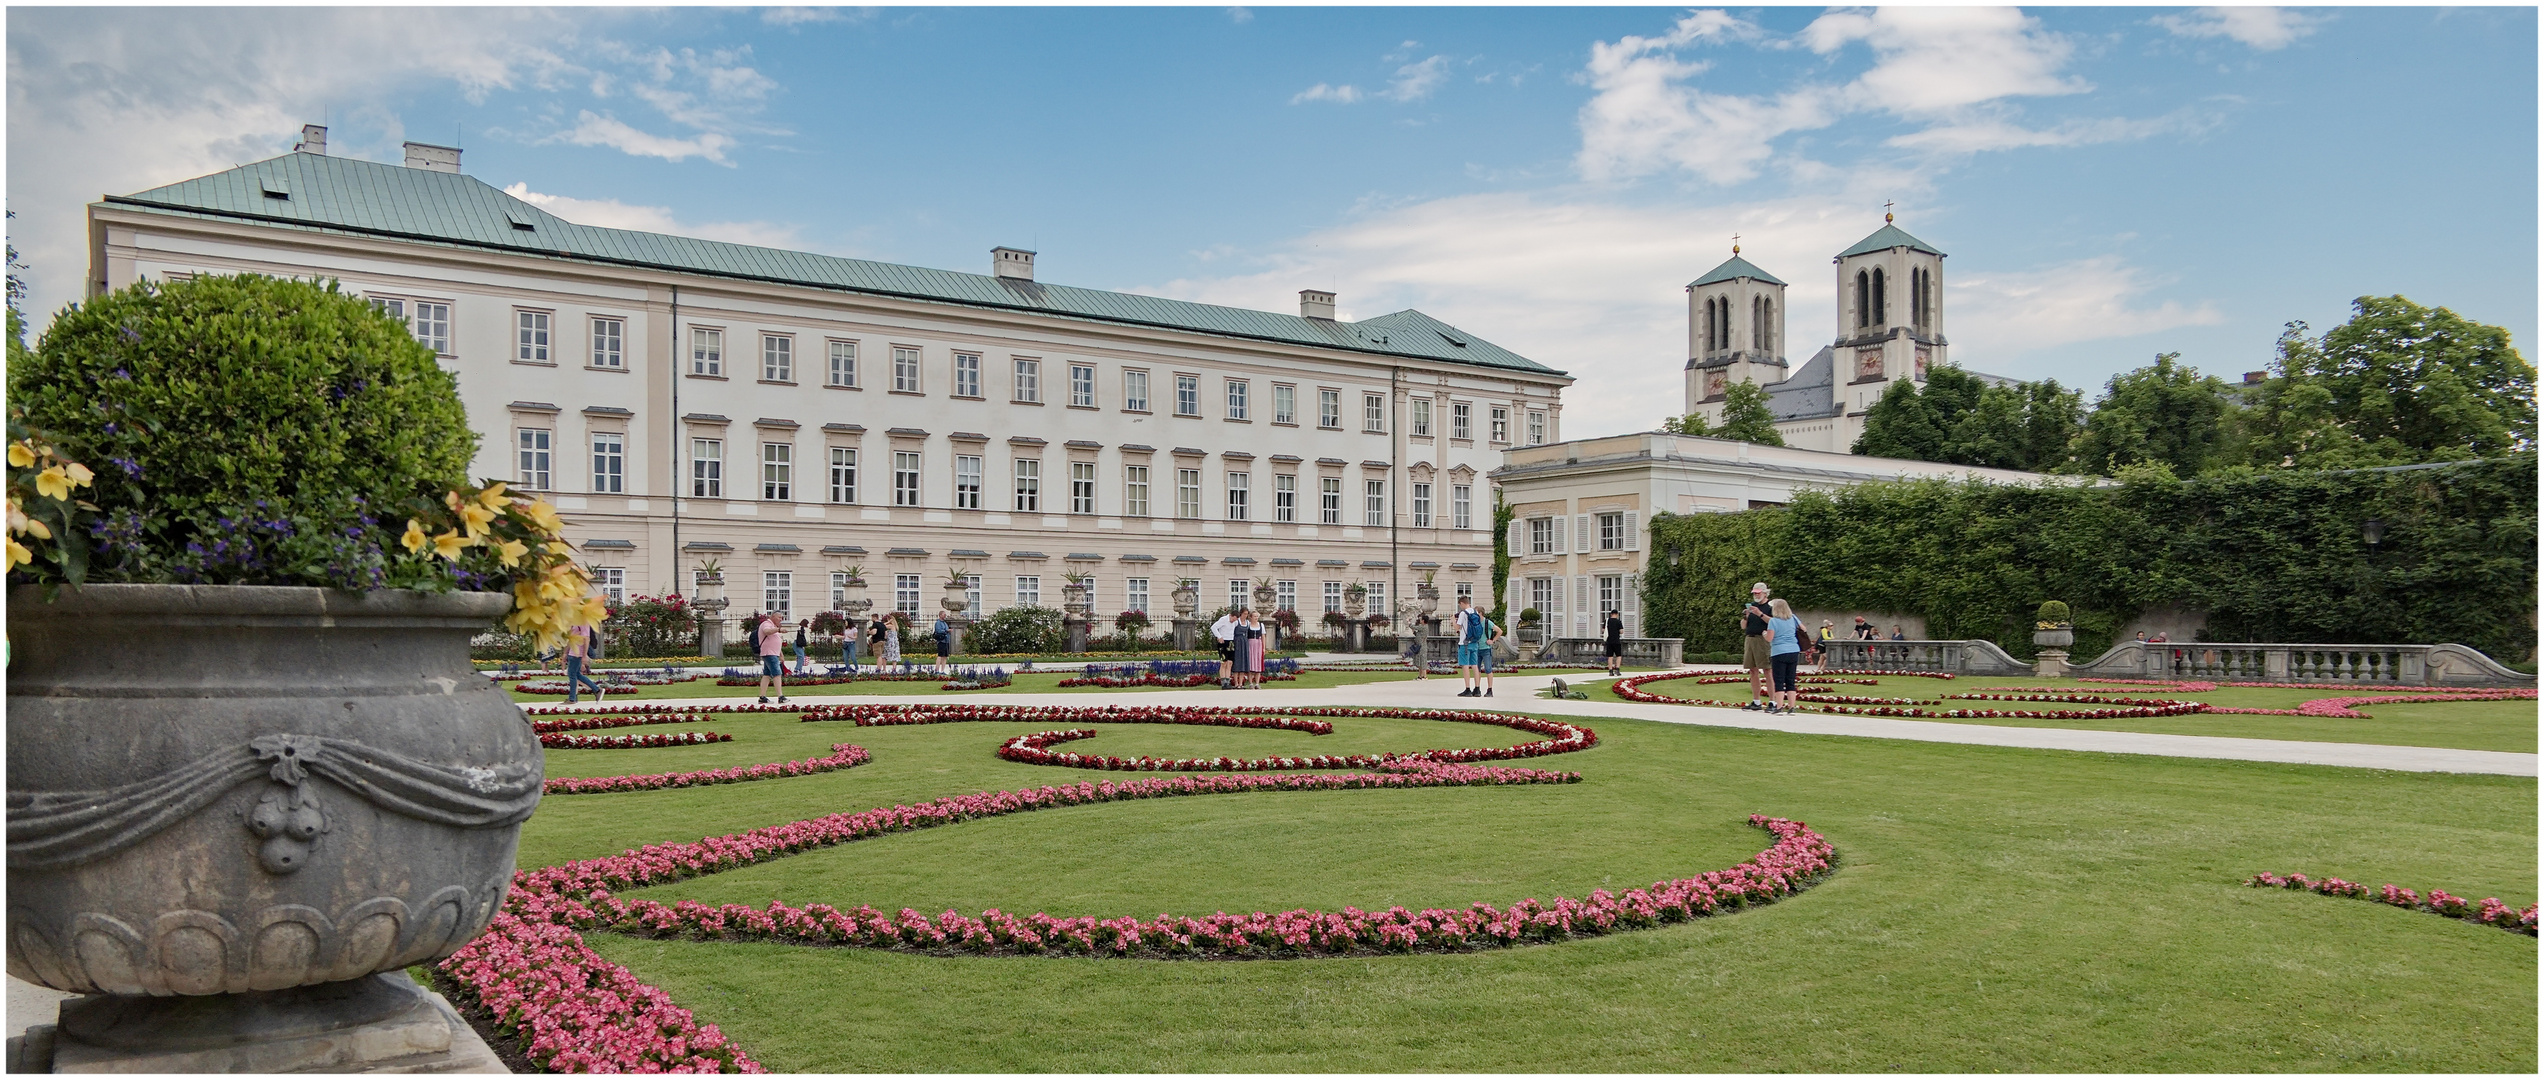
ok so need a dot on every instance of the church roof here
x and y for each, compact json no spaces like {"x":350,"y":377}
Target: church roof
{"x":1811,"y":392}
{"x":1890,"y":236}
{"x":1734,"y":269}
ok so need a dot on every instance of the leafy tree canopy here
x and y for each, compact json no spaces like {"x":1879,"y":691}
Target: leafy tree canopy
{"x":2165,"y":413}
{"x":1959,"y":418}
{"x":1746,"y":416}
{"x":2397,"y":384}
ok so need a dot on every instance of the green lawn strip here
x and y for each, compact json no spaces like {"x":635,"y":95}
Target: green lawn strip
{"x":2478,"y":725}
{"x":1026,"y":683}
{"x":1995,"y":909}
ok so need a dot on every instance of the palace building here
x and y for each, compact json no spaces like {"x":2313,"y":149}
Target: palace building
{"x":1889,"y":327}
{"x":799,"y":417}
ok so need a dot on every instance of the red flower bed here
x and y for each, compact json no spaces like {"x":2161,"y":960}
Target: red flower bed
{"x":1117,"y":682}
{"x":1631,"y":689}
{"x":597,"y":723}
{"x":632,"y":742}
{"x":2488,"y":911}
{"x":1561,"y":738}
{"x":843,"y":756}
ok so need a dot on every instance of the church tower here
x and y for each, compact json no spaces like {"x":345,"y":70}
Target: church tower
{"x":1735,"y":332}
{"x":1889,"y":315}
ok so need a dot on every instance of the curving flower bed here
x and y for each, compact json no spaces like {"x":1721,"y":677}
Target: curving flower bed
{"x":600,"y":723}
{"x":843,"y":756}
{"x":1560,"y":738}
{"x":1123,"y":682}
{"x":1631,"y":689}
{"x":2488,"y":911}
{"x":632,"y":742}
{"x":2346,"y":708}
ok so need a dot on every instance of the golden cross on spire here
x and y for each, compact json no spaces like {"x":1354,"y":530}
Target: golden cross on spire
{"x":1735,"y":243}
{"x":1887,"y":216}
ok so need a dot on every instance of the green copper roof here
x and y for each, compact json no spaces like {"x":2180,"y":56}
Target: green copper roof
{"x":349,"y":195}
{"x":1734,"y":269}
{"x":1890,"y":236}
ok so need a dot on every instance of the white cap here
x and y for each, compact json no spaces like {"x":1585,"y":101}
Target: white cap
{"x":1759,"y":587}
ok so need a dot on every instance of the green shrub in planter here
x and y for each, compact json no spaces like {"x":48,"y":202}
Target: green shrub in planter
{"x":2052,"y":613}
{"x":1016,"y":630}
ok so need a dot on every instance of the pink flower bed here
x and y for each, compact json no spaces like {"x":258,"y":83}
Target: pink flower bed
{"x":1561,"y":738}
{"x":574,"y":1011}
{"x":598,"y":723}
{"x":2488,"y":911}
{"x":2345,"y":708}
{"x":1631,"y":689}
{"x":632,"y":742}
{"x":843,"y":756}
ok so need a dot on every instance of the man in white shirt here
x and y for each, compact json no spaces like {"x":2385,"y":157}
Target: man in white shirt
{"x":1225,"y":633}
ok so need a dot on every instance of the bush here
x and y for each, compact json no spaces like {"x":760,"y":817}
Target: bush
{"x":2051,"y":611}
{"x":1016,"y":630}
{"x":281,"y":419}
{"x":654,"y":626}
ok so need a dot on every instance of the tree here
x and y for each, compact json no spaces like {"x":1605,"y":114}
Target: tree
{"x":2166,"y":412}
{"x":1960,"y":419}
{"x":1746,"y":417}
{"x":1901,"y":426}
{"x":2397,"y":384}
{"x":1690,"y":424}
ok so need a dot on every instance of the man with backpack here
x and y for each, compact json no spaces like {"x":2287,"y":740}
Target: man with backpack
{"x":1475,"y":649}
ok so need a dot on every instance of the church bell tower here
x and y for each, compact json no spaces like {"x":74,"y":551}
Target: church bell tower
{"x":1735,"y":332}
{"x":1889,"y":315}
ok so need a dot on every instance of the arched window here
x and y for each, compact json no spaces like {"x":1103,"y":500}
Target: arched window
{"x":1863,"y":299}
{"x":1722,"y":326}
{"x":1708,"y":345}
{"x":1928,"y":295}
{"x":1766,"y":326}
{"x":1881,"y":311}
{"x":1917,"y":296}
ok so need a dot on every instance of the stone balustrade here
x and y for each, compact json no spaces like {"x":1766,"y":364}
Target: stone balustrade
{"x":2381,"y":665}
{"x":1639,"y":652}
{"x":1963,"y":657}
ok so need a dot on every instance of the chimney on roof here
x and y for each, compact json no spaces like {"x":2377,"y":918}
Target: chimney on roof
{"x":1010,"y":262}
{"x":431,"y":157}
{"x":313,"y":139}
{"x":2255,"y":378}
{"x":1316,"y":304}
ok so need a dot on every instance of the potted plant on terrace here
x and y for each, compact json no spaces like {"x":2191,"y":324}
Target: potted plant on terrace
{"x":1529,"y":631}
{"x":1074,"y":588}
{"x":1187,"y":597}
{"x":1355,"y":599}
{"x":2051,"y":628}
{"x":247,"y":751}
{"x":958,"y":591}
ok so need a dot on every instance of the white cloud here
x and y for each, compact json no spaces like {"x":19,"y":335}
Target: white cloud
{"x":1977,"y":135}
{"x":1930,"y":59}
{"x":2264,"y":28}
{"x":591,"y":129}
{"x":1240,"y":16}
{"x":1415,"y":81}
{"x":2005,"y":313}
{"x":613,"y":214}
{"x":1341,"y":95}
{"x":797,"y":16}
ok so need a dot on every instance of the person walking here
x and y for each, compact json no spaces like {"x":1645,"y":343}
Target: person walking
{"x":943,"y":632}
{"x":1484,"y":659}
{"x":578,"y":647}
{"x":1753,"y":646}
{"x":770,"y":640}
{"x":1784,"y":649}
{"x":1616,"y":642}
{"x":1223,"y":634}
{"x":803,"y":637}
{"x":1412,"y":649}
{"x":1475,"y":650}
{"x":887,"y":639}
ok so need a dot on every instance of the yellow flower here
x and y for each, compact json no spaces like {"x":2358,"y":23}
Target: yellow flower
{"x":474,"y":518}
{"x":21,"y":455}
{"x":80,"y":476}
{"x":18,"y":554}
{"x":560,"y":547}
{"x":448,"y":544}
{"x":511,"y":551}
{"x":414,"y":538}
{"x":53,"y":483}
{"x":594,"y":610}
{"x":493,"y":498}
{"x":544,"y":516}
{"x":36,"y":528}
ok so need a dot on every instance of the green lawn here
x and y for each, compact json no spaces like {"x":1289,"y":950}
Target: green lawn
{"x":1996,"y":909}
{"x":1027,"y":683}
{"x":2477,"y":725}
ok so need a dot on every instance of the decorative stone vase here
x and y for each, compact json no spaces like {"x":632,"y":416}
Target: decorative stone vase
{"x":1073,"y":600}
{"x":1430,"y":597}
{"x":1353,"y":604}
{"x":1265,"y":596}
{"x":1187,"y":600}
{"x":958,"y":595}
{"x":247,"y":791}
{"x":1530,"y":634}
{"x":2062,"y":637}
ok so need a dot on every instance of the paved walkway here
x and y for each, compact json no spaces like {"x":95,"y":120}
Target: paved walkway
{"x":1518,"y":693}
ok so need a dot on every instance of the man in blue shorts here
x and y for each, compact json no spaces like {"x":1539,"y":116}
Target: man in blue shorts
{"x":1475,"y":649}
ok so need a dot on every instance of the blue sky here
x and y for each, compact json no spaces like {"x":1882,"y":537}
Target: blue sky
{"x":2110,"y":183}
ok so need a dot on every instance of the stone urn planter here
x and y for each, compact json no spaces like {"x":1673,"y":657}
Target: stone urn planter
{"x":1187,"y":599}
{"x":1354,"y":603}
{"x":958,"y":596}
{"x":230,"y":806}
{"x":1073,"y":599}
{"x":1265,"y":596}
{"x":2060,"y":638}
{"x":1429,"y":595}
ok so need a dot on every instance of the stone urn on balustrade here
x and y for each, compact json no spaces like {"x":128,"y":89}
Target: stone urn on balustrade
{"x":2053,"y":635}
{"x":233,"y":808}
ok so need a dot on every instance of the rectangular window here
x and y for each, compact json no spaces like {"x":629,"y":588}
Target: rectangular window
{"x":1375,"y":502}
{"x":531,"y":337}
{"x":777,"y":358}
{"x":1418,"y":415}
{"x":1329,"y":409}
{"x":432,"y":326}
{"x":1028,"y":590}
{"x":1373,"y":412}
{"x":1536,"y":427}
{"x":1028,"y":486}
{"x":1611,"y":597}
{"x":1461,"y":506}
{"x":1239,"y":407}
{"x":1240,"y":492}
{"x":777,"y":592}
{"x":1611,"y":532}
{"x":843,"y":474}
{"x":609,"y":462}
{"x":1187,"y":493}
{"x":905,"y":478}
{"x":1284,"y":404}
{"x":1541,"y":536}
{"x":967,"y":482}
{"x":1541,"y":595}
{"x":1028,"y":380}
{"x":1285,"y":596}
{"x":1461,"y":420}
{"x":706,"y":351}
{"x":838,"y":590}
{"x":967,"y":375}
{"x":535,"y":458}
{"x":905,"y":369}
{"x":1329,"y":501}
{"x":905,"y":591}
{"x":1466,"y":591}
{"x":1135,"y":391}
{"x":1135,"y":490}
{"x":1082,"y":385}
{"x":612,"y":582}
{"x":1238,"y":590}
{"x":1081,"y":487}
{"x":1422,"y":506}
{"x":971,"y":592}
{"x":1285,"y":497}
{"x":1135,"y":594}
{"x":609,"y":343}
{"x":777,"y":471}
{"x":1378,"y":598}
{"x":1333,"y":596}
{"x":843,"y":363}
{"x":706,"y":468}
{"x":1501,"y":424}
{"x":1187,"y":395}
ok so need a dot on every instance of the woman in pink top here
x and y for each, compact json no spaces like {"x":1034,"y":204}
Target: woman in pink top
{"x":578,"y":645}
{"x":772,"y":641}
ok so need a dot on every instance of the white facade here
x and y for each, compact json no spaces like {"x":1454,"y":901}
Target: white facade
{"x":795,"y":432}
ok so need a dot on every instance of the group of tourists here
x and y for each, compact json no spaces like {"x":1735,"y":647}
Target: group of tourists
{"x":1242,"y":639}
{"x":1772,"y":643}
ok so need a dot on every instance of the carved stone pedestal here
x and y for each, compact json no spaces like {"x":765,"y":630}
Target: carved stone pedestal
{"x":1076,"y":625}
{"x":2050,"y":664}
{"x":384,"y":1023}
{"x":1186,"y":631}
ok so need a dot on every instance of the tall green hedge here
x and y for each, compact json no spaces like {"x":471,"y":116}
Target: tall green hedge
{"x":2275,"y":556}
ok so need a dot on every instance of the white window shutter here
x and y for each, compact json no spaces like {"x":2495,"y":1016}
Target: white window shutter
{"x":1588,"y":533}
{"x":1556,"y":527}
{"x":1633,"y":532}
{"x":1584,"y":607}
{"x":1517,"y":543}
{"x":1633,"y":606}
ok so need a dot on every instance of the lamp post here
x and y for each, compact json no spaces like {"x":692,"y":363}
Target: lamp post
{"x":2372,"y":531}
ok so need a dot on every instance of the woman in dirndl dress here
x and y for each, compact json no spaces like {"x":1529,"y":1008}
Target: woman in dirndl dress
{"x":1255,"y":639}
